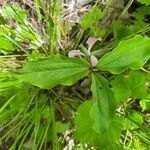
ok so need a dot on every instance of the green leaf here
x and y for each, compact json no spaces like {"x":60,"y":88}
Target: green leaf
{"x":137,"y":83}
{"x":120,"y":87}
{"x":146,"y":2}
{"x":129,"y":85}
{"x":82,"y":131}
{"x":49,"y":72}
{"x":120,"y":30}
{"x":6,"y":42}
{"x":85,"y":133}
{"x":145,"y":103}
{"x":14,"y":12}
{"x":132,"y":53}
{"x":6,"y":46}
{"x":103,"y":110}
{"x":141,"y":12}
{"x":91,"y":17}
{"x":61,"y":127}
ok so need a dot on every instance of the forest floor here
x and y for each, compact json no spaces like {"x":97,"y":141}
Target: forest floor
{"x":74,"y":76}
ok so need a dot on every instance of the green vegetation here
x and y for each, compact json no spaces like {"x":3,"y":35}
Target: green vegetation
{"x":83,"y":85}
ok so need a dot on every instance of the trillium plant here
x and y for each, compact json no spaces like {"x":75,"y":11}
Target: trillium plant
{"x":93,"y":92}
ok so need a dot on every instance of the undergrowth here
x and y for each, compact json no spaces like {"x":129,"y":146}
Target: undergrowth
{"x":74,"y":79}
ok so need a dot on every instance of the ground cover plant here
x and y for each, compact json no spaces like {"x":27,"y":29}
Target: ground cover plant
{"x":73,"y":76}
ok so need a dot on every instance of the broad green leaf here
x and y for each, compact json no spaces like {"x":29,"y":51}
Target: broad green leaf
{"x":85,"y":133}
{"x":35,"y":55}
{"x":137,"y":83}
{"x":103,"y":110}
{"x":132,"y":53}
{"x":145,"y":103}
{"x":91,"y":17}
{"x":129,"y":85}
{"x":141,"y":19}
{"x":146,"y":2}
{"x":6,"y":46}
{"x":61,"y":127}
{"x":121,"y":30}
{"x":83,"y":123}
{"x":120,"y":87}
{"x":14,"y":12}
{"x":49,"y":72}
{"x":141,"y":12}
